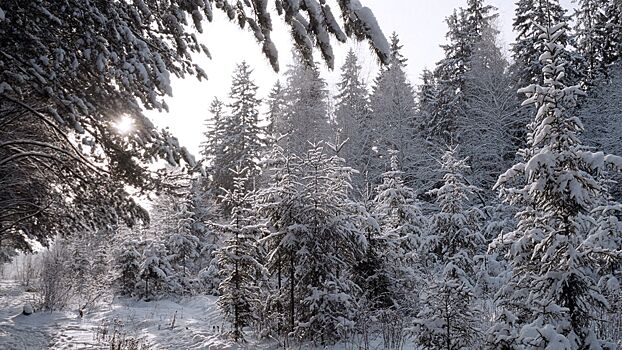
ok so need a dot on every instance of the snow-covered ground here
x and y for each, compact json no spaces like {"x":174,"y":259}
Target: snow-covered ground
{"x":197,"y":324}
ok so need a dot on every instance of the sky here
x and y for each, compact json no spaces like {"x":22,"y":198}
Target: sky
{"x":420,"y":25}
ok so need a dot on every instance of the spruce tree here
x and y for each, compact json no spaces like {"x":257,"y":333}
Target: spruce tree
{"x":399,"y":241}
{"x":213,"y":135}
{"x":240,"y":259}
{"x":490,"y":127}
{"x":552,"y":296}
{"x":276,"y":109}
{"x":183,"y":243}
{"x":305,"y":118}
{"x":352,"y":118}
{"x":242,"y":141}
{"x":157,"y":277}
{"x":449,"y":317}
{"x":392,"y":119}
{"x":314,"y":244}
{"x":593,"y":37}
{"x":529,"y":16}
{"x":466,"y":28}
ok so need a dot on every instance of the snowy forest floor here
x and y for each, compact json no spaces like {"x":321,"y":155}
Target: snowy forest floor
{"x":198,"y":325}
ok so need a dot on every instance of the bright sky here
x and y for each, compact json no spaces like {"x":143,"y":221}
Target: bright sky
{"x":420,"y":24}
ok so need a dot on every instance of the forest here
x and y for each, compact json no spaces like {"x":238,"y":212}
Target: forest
{"x":476,"y":208}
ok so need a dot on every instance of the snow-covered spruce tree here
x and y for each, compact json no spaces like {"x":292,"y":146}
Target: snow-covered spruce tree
{"x":449,"y":317}
{"x":526,"y":49}
{"x":400,"y":239}
{"x":157,"y":277}
{"x":240,"y":259}
{"x":390,"y":274}
{"x":212,"y":137}
{"x":241,"y":142}
{"x":553,"y":295}
{"x":173,"y":224}
{"x":607,"y":232}
{"x":314,"y":245}
{"x":455,"y":233}
{"x":352,"y":119}
{"x":466,"y":27}
{"x":604,"y":131}
{"x":276,"y":108}
{"x":392,"y":120}
{"x":305,"y":116}
{"x":593,"y":37}
{"x":613,"y":13}
{"x":488,"y":127}
{"x":426,"y":95}
{"x":280,"y":204}
{"x":204,"y":210}
{"x":126,"y":263}
{"x":183,"y":244}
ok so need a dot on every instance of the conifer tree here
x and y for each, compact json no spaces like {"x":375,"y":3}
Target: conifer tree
{"x":399,"y":241}
{"x":240,"y":259}
{"x":552,"y":296}
{"x":276,"y":109}
{"x":392,"y":118}
{"x":529,"y":16}
{"x":305,"y":118}
{"x":212,"y":137}
{"x":449,"y":317}
{"x":613,"y":13}
{"x":466,"y":28}
{"x":242,"y":142}
{"x":157,"y":276}
{"x":314,"y":244}
{"x":352,"y":117}
{"x":490,"y":128}
{"x":183,"y":243}
{"x":593,"y":37}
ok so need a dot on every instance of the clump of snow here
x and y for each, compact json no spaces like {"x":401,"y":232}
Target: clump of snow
{"x":28,"y":309}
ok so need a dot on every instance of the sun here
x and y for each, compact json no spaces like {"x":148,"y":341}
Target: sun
{"x":124,"y":125}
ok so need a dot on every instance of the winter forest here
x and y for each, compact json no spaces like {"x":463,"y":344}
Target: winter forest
{"x":478,"y":207}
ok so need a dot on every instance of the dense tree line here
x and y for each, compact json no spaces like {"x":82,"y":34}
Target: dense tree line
{"x":380,"y":216}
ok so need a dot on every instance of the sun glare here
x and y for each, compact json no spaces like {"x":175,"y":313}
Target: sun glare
{"x":125,"y":124}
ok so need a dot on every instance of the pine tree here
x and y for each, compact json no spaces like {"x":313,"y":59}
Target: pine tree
{"x":240,"y":259}
{"x":552,"y":296}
